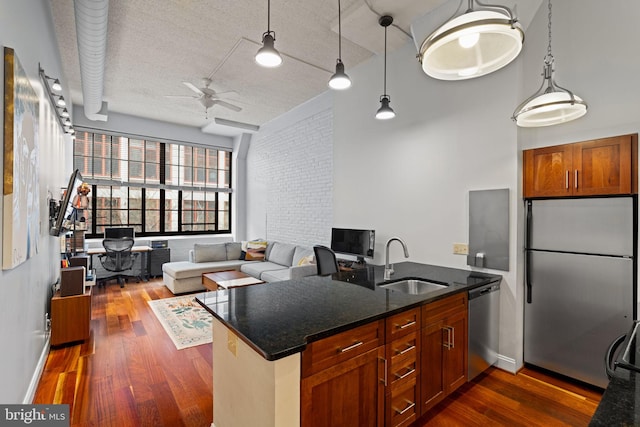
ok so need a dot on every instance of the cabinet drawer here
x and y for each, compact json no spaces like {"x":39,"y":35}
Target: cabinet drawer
{"x":402,"y":323}
{"x":322,"y":354}
{"x":439,"y":309}
{"x":404,"y":405}
{"x":402,"y":370}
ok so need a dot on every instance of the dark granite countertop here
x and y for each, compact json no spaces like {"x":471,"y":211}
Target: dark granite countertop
{"x":620,"y":404}
{"x":279,"y":319}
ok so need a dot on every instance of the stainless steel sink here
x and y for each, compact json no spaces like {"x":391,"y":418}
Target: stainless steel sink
{"x":414,"y":286}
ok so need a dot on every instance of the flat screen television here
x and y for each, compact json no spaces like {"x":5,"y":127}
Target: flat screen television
{"x":62,"y":221}
{"x":119,"y":232}
{"x":351,"y":241}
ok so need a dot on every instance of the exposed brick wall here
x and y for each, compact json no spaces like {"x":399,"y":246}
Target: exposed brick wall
{"x":295,"y":168}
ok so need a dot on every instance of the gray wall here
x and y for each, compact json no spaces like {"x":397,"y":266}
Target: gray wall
{"x":26,"y":27}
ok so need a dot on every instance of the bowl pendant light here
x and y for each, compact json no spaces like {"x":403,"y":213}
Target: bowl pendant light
{"x":339,"y":80}
{"x":473,"y":44}
{"x":267,"y":55}
{"x":550,"y":104}
{"x":385,"y":112}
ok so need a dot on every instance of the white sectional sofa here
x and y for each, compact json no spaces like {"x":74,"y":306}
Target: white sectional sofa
{"x":282,"y":261}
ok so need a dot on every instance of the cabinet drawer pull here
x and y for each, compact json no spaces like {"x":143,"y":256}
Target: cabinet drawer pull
{"x":411,"y":405}
{"x":406,"y":325}
{"x":406,"y":350}
{"x":406,"y":374}
{"x":351,"y":347}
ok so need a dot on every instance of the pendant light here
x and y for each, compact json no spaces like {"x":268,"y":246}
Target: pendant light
{"x":267,"y":55}
{"x":339,"y":80}
{"x":473,"y":44}
{"x":385,"y":112}
{"x":551,"y":105}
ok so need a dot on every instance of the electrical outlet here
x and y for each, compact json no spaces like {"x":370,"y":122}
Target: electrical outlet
{"x":460,"y":249}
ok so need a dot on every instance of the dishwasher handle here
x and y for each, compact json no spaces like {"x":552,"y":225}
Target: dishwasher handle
{"x":484,"y":290}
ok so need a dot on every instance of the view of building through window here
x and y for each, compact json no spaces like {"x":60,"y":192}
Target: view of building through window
{"x":156,"y":187}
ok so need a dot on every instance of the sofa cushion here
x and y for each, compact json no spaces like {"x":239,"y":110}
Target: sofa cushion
{"x":256,"y":269}
{"x":276,"y":275}
{"x":207,"y":252}
{"x":234,"y":250}
{"x":186,"y":269}
{"x":281,"y":253}
{"x":302,"y":256}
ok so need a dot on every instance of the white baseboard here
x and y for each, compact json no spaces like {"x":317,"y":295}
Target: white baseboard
{"x":33,"y":385}
{"x":507,"y":364}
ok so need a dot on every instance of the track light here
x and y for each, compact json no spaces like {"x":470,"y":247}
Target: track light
{"x":551,"y":105}
{"x":473,"y":44}
{"x":57,"y":101}
{"x":267,"y":55}
{"x":339,"y":80}
{"x":385,"y":111}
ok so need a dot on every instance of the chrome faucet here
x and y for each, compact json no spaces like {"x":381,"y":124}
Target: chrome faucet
{"x":388,"y":271}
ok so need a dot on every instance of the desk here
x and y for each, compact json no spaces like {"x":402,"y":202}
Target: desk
{"x":143,"y":249}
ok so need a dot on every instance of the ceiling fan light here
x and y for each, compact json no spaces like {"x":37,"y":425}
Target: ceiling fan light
{"x":551,"y":109}
{"x":385,"y":112}
{"x":340,"y":80}
{"x":482,"y":40}
{"x":267,"y":55}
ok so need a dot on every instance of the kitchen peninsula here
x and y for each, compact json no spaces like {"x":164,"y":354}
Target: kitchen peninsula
{"x":277,"y":347}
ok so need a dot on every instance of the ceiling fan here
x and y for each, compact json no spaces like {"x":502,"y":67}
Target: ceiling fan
{"x":207,"y":96}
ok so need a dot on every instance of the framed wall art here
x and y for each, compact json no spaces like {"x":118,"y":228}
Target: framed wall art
{"x":20,"y":190}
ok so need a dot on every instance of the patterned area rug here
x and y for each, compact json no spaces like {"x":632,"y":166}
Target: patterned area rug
{"x":186,"y":322}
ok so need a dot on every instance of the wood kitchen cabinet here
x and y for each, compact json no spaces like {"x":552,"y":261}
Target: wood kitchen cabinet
{"x":343,"y":379}
{"x":402,"y":397}
{"x":443,"y":359}
{"x":606,"y":166}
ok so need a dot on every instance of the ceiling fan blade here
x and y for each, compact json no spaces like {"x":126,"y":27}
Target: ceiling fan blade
{"x":181,"y":96}
{"x":193,"y":88}
{"x":227,"y":105}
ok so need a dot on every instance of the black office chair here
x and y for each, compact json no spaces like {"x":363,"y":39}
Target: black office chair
{"x":325,"y":260}
{"x":118,"y":258}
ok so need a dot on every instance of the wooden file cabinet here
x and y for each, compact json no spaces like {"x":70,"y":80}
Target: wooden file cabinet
{"x":70,"y":317}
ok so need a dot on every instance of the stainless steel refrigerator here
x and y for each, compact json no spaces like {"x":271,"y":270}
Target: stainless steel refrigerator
{"x":580,"y":281}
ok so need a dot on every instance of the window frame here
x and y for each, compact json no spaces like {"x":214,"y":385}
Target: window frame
{"x":84,"y":150}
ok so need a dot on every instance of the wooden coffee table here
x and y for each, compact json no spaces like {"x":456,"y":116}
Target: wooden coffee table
{"x":227,"y":279}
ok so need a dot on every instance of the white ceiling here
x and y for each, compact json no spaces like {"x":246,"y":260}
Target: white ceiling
{"x":155,"y":45}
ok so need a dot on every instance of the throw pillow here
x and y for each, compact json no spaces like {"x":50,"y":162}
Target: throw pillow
{"x":234,"y":250}
{"x":307,"y":260}
{"x":255,"y":250}
{"x":207,"y":252}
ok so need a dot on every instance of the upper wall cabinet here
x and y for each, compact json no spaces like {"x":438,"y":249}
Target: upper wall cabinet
{"x":600,"y":167}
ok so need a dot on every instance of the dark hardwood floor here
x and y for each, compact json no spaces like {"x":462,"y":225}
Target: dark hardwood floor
{"x":129,"y":373}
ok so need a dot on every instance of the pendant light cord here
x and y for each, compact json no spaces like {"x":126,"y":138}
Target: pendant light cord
{"x":385,"y":61}
{"x":549,"y":58}
{"x":268,"y":16}
{"x":339,"y":34}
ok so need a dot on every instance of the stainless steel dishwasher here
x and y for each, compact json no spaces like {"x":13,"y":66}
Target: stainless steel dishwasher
{"x":484,"y":319}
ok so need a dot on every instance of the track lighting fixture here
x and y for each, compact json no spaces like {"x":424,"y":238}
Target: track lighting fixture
{"x":339,"y":80}
{"x":267,"y":55}
{"x":385,"y":111}
{"x":57,"y":101}
{"x":473,"y":44}
{"x":551,"y":105}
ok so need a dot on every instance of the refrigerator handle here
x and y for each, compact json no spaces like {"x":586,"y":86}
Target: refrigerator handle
{"x":527,"y":251}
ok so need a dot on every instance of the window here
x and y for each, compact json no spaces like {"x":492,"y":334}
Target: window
{"x":158,"y":188}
